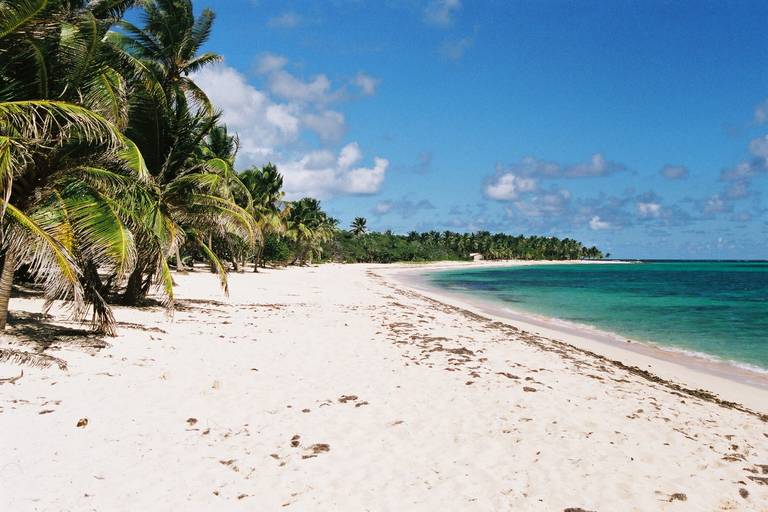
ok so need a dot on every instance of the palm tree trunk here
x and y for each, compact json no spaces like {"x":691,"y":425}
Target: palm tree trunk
{"x":179,"y":263}
{"x":6,"y":283}
{"x":257,"y":258}
{"x":210,"y":246}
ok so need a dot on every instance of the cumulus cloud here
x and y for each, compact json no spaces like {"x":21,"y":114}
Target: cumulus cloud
{"x":261,"y":123}
{"x":323,"y":174}
{"x":551,"y":204}
{"x":759,"y":147}
{"x":270,"y":130}
{"x":597,"y":165}
{"x":716,"y":204}
{"x":441,"y":12}
{"x":649,"y":209}
{"x":287,"y":86}
{"x":674,"y":172}
{"x":597,"y":224}
{"x":366,"y":83}
{"x":328,"y":125}
{"x":508,"y":186}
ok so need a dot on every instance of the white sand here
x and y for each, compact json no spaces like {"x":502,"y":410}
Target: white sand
{"x":434,"y":425}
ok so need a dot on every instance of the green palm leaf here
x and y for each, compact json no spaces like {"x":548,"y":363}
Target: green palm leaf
{"x":16,"y":13}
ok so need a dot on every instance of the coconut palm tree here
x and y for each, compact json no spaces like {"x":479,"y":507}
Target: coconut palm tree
{"x":359,"y":226}
{"x":172,"y":123}
{"x":265,"y":185}
{"x":60,"y":162}
{"x":309,"y":227}
{"x":167,"y":47}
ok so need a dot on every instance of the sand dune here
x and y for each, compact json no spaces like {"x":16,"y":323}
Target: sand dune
{"x":336,"y":388}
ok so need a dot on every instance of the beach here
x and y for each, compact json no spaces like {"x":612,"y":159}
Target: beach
{"x":353,"y":387}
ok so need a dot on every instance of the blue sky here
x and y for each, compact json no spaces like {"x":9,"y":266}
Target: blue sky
{"x":638,"y":126}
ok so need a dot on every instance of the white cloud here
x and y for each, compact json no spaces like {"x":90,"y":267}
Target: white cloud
{"x":759,"y":147}
{"x":441,"y":12}
{"x":548,"y":204}
{"x":649,"y":210}
{"x":286,"y":20}
{"x":716,"y":204}
{"x":597,"y":165}
{"x":269,"y":62}
{"x":597,"y":224}
{"x":674,"y":172}
{"x":261,"y":123}
{"x":329,"y":125}
{"x":269,"y":130}
{"x":322,"y":174}
{"x":383,"y":207}
{"x":366,"y":83}
{"x":508,"y":186}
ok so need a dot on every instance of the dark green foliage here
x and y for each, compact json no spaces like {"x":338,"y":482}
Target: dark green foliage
{"x":434,"y":246}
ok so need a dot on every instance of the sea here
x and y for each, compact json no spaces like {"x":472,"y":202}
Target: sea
{"x":715,"y":309}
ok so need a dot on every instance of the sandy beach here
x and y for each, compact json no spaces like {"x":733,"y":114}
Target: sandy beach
{"x":348,"y":387}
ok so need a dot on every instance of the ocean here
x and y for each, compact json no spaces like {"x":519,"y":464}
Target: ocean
{"x":713,"y":308}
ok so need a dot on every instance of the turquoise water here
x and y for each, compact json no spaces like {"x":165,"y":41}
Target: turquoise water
{"x":716,"y":308}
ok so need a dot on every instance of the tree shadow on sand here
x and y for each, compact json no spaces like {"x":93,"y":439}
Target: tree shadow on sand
{"x":30,"y":335}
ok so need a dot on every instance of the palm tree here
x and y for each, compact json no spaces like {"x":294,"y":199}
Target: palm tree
{"x":265,"y":186}
{"x":61,"y":163}
{"x":359,"y":226}
{"x":43,"y":220}
{"x":195,"y":190}
{"x":168,"y":47}
{"x":309,"y":227}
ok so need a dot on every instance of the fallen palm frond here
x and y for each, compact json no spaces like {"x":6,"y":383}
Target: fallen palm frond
{"x":9,"y":355}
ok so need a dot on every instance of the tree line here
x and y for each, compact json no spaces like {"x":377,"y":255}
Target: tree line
{"x":357,"y":245}
{"x":115,"y":167}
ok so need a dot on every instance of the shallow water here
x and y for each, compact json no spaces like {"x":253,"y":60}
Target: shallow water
{"x":715,"y":308}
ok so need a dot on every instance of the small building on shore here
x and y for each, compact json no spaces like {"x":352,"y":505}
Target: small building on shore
{"x":476,"y":256}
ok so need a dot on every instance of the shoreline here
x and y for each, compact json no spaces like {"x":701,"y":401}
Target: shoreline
{"x":729,"y":380}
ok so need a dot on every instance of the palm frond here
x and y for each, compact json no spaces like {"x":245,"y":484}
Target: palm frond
{"x":18,"y":12}
{"x":9,"y":355}
{"x":50,"y":263}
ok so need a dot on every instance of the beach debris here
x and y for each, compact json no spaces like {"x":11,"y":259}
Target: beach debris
{"x":46,"y":411}
{"x":191,"y":421}
{"x":305,"y":410}
{"x":295,"y":440}
{"x":759,"y":480}
{"x":30,"y":359}
{"x":360,"y":404}
{"x":576,"y":509}
{"x":347,"y":398}
{"x":241,"y":496}
{"x":316,"y":449}
{"x":743,"y":493}
{"x":529,"y":389}
{"x":678,"y":496}
{"x":395,"y":423}
{"x":12,"y":380}
{"x":508,"y":375}
{"x":82,"y":423}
